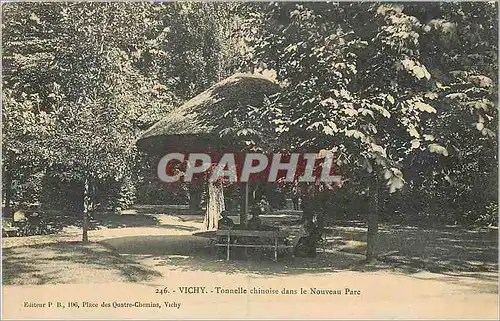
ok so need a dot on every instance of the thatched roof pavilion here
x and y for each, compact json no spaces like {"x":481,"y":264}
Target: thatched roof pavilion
{"x":191,"y":127}
{"x":188,"y":125}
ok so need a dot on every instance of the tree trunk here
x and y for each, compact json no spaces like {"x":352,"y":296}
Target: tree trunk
{"x":371,"y":237}
{"x":194,"y":199}
{"x":215,"y":205}
{"x":86,"y":208}
{"x":245,"y":204}
{"x":8,"y":191}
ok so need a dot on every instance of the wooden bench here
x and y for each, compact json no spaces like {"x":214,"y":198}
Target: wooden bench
{"x":277,"y":239}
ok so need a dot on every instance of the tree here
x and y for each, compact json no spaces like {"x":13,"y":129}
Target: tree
{"x":365,"y":92}
{"x":91,"y":93}
{"x":460,"y":46}
{"x":191,"y":45}
{"x":28,"y":82}
{"x":403,"y":95}
{"x":96,"y":65}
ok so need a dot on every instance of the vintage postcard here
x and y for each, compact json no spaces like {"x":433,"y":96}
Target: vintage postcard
{"x":249,"y":160}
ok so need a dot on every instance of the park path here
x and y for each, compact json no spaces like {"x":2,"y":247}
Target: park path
{"x":157,"y":257}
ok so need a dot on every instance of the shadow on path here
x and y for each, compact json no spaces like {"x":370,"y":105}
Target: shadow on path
{"x":436,"y":250}
{"x":69,"y":262}
{"x":192,"y":253}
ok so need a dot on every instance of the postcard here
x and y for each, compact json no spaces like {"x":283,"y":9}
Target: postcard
{"x":249,"y":160}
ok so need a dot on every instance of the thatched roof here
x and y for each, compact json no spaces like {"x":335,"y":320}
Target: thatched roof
{"x":187,"y":124}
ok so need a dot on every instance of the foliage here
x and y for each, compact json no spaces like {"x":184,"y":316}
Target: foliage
{"x":402,"y":92}
{"x":190,"y":46}
{"x":58,"y":67}
{"x":403,"y":95}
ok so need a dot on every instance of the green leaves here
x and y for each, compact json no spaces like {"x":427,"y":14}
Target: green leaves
{"x":366,"y":164}
{"x":457,"y":96}
{"x":480,"y":104}
{"x":424,"y":107}
{"x":350,"y":112}
{"x":358,"y":74}
{"x":354,"y":133}
{"x":391,"y":91}
{"x":247,"y":132}
{"x":291,"y":48}
{"x":394,"y":179}
{"x":415,"y":143}
{"x":390,"y":99}
{"x":378,"y":149}
{"x":330,"y":128}
{"x":481,"y":81}
{"x":421,"y":72}
{"x":416,"y":69}
{"x":429,"y":137}
{"x":384,"y":112}
{"x":488,"y":132}
{"x":329,"y":102}
{"x":365,"y":112}
{"x":87,"y":96}
{"x":413,"y":131}
{"x":438,"y":149}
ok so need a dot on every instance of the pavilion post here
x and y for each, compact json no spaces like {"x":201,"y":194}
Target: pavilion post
{"x":246,"y":199}
{"x":244,"y":218}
